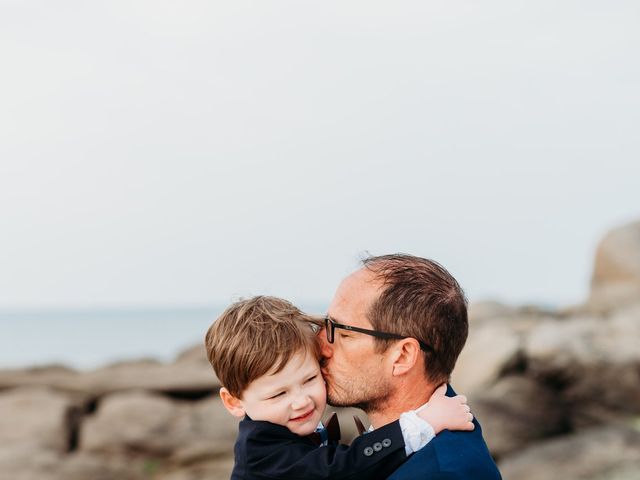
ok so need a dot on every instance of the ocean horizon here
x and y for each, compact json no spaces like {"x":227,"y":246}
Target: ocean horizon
{"x":86,"y":339}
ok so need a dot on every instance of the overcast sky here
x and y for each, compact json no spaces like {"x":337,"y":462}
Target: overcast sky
{"x":189,"y":152}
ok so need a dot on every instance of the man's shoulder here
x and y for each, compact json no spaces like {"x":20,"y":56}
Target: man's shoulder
{"x":451,"y":455}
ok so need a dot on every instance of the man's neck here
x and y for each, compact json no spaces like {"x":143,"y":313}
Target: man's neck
{"x":408,"y":396}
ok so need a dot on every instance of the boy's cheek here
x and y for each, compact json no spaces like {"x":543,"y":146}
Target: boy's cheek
{"x":321,"y":398}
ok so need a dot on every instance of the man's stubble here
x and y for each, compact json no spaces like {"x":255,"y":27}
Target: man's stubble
{"x":368,"y":393}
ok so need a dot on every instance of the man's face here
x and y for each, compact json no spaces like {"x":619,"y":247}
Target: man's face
{"x":355,"y":374}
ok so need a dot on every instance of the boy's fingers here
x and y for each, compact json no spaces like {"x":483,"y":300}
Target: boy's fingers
{"x":462,"y":398}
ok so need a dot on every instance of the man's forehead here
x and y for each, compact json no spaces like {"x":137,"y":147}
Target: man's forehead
{"x":357,"y":291}
{"x":364,"y":278}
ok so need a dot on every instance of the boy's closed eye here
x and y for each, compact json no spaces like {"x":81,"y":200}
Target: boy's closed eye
{"x":311,"y":379}
{"x":279,"y":394}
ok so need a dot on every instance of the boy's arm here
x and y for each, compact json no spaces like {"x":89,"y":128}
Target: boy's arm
{"x":446,"y":413}
{"x":272,"y":452}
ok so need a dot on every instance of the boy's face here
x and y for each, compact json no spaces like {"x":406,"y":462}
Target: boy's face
{"x":295,"y":397}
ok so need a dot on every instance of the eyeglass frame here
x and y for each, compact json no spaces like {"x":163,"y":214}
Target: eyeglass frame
{"x":374,"y":333}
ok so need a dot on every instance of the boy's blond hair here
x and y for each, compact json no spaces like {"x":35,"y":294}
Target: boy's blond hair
{"x":256,"y":336}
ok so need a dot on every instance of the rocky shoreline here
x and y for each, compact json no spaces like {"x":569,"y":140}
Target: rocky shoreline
{"x":557,"y":393}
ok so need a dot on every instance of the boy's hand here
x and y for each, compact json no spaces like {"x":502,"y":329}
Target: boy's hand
{"x":447,"y":413}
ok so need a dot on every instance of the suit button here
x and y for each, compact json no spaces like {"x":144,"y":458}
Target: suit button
{"x":377,"y":446}
{"x":386,"y":442}
{"x":368,"y":452}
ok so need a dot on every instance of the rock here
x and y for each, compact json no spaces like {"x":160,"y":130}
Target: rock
{"x":22,"y":462}
{"x":556,"y":345}
{"x":35,"y":418}
{"x":36,"y":431}
{"x":209,"y":423}
{"x":516,"y":412}
{"x":176,"y":378}
{"x":132,"y":421}
{"x":488,"y":310}
{"x":195,"y":355}
{"x":143,"y":423}
{"x":593,"y":361}
{"x":609,"y":453}
{"x":46,"y":465}
{"x":491,"y":348}
{"x":561,"y":344}
{"x":616,"y":339}
{"x":54,"y":376}
{"x":616,"y":273}
{"x":83,"y":466}
{"x":215,"y":469}
{"x":183,"y":378}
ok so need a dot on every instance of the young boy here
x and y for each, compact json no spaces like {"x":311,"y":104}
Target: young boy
{"x":265,"y":354}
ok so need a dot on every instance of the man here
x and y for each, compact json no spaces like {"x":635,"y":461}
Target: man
{"x":393,"y":333}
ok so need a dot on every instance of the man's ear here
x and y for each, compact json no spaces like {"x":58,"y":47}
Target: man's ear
{"x":231,"y":403}
{"x":405,"y":356}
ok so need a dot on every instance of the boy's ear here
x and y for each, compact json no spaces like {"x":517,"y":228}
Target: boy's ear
{"x":231,"y":403}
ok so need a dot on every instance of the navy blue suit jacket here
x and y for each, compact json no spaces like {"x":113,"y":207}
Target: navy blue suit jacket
{"x":264,"y":451}
{"x":452,"y":455}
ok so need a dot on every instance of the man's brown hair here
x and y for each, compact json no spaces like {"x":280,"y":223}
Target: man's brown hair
{"x":420,"y":299}
{"x":256,"y":336}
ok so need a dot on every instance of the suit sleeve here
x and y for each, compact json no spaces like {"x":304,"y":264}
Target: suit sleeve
{"x":374,"y":455}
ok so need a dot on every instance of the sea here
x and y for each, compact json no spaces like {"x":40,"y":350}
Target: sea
{"x":91,"y":338}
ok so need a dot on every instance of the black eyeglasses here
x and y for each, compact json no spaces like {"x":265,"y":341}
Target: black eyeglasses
{"x":330,"y":326}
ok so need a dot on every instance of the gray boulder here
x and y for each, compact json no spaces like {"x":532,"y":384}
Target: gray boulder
{"x":36,"y":429}
{"x":516,"y":412}
{"x":212,"y":469}
{"x":609,"y":453}
{"x":54,"y":376}
{"x":184,"y":377}
{"x":616,"y":272}
{"x":144,"y":423}
{"x":46,"y":465}
{"x":490,"y":349}
{"x":131,"y":422}
{"x":593,"y":361}
{"x":35,"y":418}
{"x":196,"y":355}
{"x":488,"y":310}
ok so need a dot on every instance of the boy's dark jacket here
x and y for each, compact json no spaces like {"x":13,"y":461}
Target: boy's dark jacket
{"x":267,"y":451}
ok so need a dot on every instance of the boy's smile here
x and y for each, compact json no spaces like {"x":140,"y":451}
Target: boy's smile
{"x":295,"y":397}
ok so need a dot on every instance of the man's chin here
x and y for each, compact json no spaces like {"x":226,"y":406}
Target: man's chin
{"x":342,"y":402}
{"x":335,"y":400}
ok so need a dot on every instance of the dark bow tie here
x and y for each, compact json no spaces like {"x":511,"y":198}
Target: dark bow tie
{"x":331,"y":432}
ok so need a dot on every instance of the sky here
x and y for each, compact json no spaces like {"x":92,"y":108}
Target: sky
{"x":164,"y":153}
